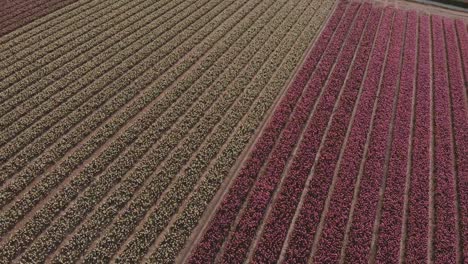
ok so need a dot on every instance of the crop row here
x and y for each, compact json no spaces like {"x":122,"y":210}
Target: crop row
{"x":70,"y":91}
{"x":336,"y":218}
{"x":182,"y":188}
{"x":418,"y":202}
{"x":311,"y":143}
{"x":445,"y":234}
{"x":369,"y":196}
{"x":31,"y":59}
{"x":284,"y":207}
{"x":460,"y":124}
{"x":55,"y":77}
{"x":37,"y":29}
{"x":178,"y":233}
{"x":133,"y":98}
{"x":154,"y":132}
{"x":25,"y":12}
{"x":150,"y":163}
{"x":64,"y":91}
{"x":61,"y":171}
{"x":374,"y":171}
{"x":391,"y":221}
{"x":244,"y":232}
{"x":214,"y":235}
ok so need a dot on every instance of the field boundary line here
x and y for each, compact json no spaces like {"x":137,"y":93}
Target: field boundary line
{"x":199,"y":230}
{"x":324,"y":85}
{"x":199,"y":182}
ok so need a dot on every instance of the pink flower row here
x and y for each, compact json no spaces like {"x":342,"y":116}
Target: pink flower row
{"x":460,"y":113}
{"x":214,"y":236}
{"x":288,"y":199}
{"x":361,"y":230}
{"x":444,"y":237}
{"x":400,"y":57}
{"x":330,"y":243}
{"x":268,"y":250}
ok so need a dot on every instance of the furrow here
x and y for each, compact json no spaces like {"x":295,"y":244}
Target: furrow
{"x":463,"y":42}
{"x":444,"y":236}
{"x":409,"y":166}
{"x":138,"y":73}
{"x":244,"y":173}
{"x":359,"y":246}
{"x":156,"y":155}
{"x":401,"y":15}
{"x":178,"y":233}
{"x":150,"y":94}
{"x":459,"y":110}
{"x":416,"y":250}
{"x":389,"y":235}
{"x":58,"y":86}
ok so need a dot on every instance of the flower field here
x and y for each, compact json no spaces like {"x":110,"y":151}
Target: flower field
{"x":231,"y":131}
{"x":364,"y":158}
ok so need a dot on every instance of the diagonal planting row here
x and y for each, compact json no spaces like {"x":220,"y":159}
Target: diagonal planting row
{"x":127,"y":137}
{"x":158,"y":132}
{"x":214,"y":236}
{"x":116,"y":104}
{"x":160,"y":150}
{"x":73,"y":64}
{"x":15,"y":14}
{"x":344,"y":175}
{"x":175,"y":237}
{"x":88,"y":86}
{"x":242,"y":235}
{"x":25,"y":37}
